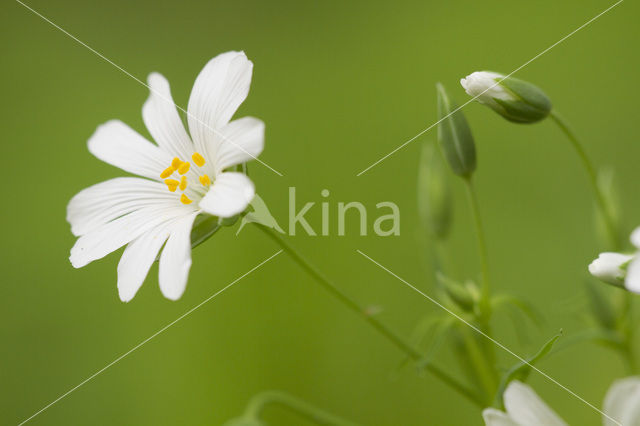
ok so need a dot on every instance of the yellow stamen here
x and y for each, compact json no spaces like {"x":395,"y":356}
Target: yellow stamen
{"x":176,"y":163}
{"x":198,"y":159}
{"x":183,"y":183}
{"x":184,"y":168}
{"x":204,"y":180}
{"x":172,"y":184}
{"x":167,"y":172}
{"x":184,"y":199}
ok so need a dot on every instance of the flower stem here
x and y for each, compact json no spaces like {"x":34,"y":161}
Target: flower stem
{"x":259,"y":402}
{"x":610,"y":224}
{"x":482,"y":248}
{"x":490,"y":378}
{"x":601,"y":200}
{"x":372,"y":321}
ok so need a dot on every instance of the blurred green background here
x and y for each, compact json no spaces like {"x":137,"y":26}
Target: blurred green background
{"x":339,"y":84}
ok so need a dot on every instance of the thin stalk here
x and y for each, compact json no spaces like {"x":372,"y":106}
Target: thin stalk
{"x":259,"y":402}
{"x":484,"y":315}
{"x":612,"y":230}
{"x":484,"y":370}
{"x":482,"y":249}
{"x":372,"y":321}
{"x":601,"y":200}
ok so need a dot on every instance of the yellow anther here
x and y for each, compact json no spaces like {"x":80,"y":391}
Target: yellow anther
{"x":172,"y":184}
{"x":167,"y":172}
{"x":204,"y":180}
{"x":184,"y":199}
{"x":183,"y":183}
{"x":198,"y":159}
{"x":184,"y":168}
{"x":176,"y":163}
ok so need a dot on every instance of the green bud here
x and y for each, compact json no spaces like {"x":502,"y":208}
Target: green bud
{"x":454,"y":135}
{"x":464,"y":295}
{"x":434,"y":193}
{"x":516,"y":100}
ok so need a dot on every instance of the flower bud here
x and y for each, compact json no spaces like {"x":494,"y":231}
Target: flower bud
{"x":514,"y":99}
{"x":611,"y":267}
{"x":465,"y":296}
{"x":434,"y":193}
{"x":454,"y":135}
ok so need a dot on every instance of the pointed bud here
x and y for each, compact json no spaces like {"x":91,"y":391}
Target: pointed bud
{"x":434,"y":193}
{"x":454,"y":135}
{"x":514,"y":99}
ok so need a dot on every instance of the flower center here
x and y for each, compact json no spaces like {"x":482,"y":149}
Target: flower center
{"x":182,"y":168}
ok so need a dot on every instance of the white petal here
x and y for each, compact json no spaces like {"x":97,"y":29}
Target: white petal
{"x":137,"y":259}
{"x":229,"y":195}
{"x":117,"y":144}
{"x":221,"y":86}
{"x":493,"y":417}
{"x":526,"y":408}
{"x":175,"y":260}
{"x":101,"y":203}
{"x":161,"y":118}
{"x":483,"y":85}
{"x":608,"y":267}
{"x":635,"y":237}
{"x":240,"y":141}
{"x":113,"y":235}
{"x":622,"y":402}
{"x":632,"y":281}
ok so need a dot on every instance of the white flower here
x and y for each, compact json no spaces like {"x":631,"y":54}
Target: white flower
{"x":622,"y":403}
{"x":523,"y":408}
{"x":514,"y":99}
{"x":620,"y":269}
{"x":483,"y":84}
{"x":182,"y":176}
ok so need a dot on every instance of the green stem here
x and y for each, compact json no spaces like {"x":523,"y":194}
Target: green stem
{"x":372,"y":321}
{"x":601,"y":200}
{"x":482,"y":249}
{"x":259,"y":402}
{"x":484,"y":316}
{"x":483,"y":367}
{"x":612,"y":230}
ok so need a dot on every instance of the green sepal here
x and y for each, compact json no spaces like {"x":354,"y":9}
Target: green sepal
{"x":530,"y":105}
{"x":520,"y":112}
{"x":204,"y":226}
{"x":465,"y":296}
{"x":454,"y":136}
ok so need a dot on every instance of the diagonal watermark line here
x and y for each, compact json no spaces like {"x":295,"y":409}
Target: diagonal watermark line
{"x":500,"y":345}
{"x":214,"y":131}
{"x":486,"y":90}
{"x":148,"y":339}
